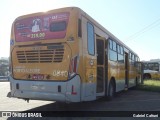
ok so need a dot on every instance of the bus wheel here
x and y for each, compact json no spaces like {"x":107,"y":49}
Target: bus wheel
{"x":136,"y":82}
{"x":147,"y":76}
{"x":111,"y":91}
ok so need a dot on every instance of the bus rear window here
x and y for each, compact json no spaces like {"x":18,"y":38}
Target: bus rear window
{"x":58,"y":26}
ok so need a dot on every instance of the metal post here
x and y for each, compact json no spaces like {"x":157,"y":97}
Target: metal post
{"x":142,"y":71}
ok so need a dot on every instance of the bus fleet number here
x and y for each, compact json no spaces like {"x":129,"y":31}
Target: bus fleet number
{"x":58,"y":73}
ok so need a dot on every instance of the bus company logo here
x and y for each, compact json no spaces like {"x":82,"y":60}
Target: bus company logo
{"x":26,"y":70}
{"x":11,"y":42}
{"x":17,"y":114}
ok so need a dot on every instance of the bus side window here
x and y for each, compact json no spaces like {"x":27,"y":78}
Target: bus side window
{"x":90,"y":37}
{"x":110,"y":44}
{"x":118,"y":48}
{"x":122,"y":50}
{"x":114,"y":46}
{"x":130,"y":55}
{"x":113,"y":50}
{"x":79,"y":28}
{"x":120,"y":54}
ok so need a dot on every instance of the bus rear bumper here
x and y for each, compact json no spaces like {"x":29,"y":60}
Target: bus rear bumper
{"x":67,"y":91}
{"x":39,"y":96}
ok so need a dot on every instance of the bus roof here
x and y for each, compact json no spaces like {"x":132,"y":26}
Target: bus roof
{"x":84,"y":14}
{"x":152,"y":61}
{"x":105,"y":30}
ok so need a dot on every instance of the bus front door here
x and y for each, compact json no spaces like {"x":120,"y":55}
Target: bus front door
{"x":126,"y":71}
{"x":100,"y":66}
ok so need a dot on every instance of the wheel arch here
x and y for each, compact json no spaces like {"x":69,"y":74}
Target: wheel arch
{"x":147,"y":76}
{"x":112,"y":80}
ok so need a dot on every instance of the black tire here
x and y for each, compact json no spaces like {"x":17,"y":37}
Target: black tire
{"x":136,"y":82}
{"x":111,"y":91}
{"x":147,"y":76}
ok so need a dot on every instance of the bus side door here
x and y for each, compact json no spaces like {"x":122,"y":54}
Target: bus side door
{"x":101,"y":66}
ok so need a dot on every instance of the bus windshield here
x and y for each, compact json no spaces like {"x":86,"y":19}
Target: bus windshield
{"x":151,"y":66}
{"x":50,"y":26}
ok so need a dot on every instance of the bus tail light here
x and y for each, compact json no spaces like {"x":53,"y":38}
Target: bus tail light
{"x":73,"y":90}
{"x":73,"y":66}
{"x":10,"y":67}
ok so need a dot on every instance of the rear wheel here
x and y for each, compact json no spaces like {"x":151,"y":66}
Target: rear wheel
{"x":111,"y":92}
{"x":136,"y":82}
{"x":147,"y":76}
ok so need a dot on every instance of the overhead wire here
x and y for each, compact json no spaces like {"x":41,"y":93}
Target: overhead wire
{"x":147,"y":28}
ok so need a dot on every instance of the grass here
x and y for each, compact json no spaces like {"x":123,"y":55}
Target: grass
{"x":150,"y":85}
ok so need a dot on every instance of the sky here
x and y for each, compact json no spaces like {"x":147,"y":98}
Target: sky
{"x":135,"y":22}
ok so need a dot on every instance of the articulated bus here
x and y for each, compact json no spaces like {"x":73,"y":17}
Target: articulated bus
{"x":65,"y":55}
{"x":151,"y":69}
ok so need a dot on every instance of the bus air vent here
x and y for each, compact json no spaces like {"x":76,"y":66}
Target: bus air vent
{"x":53,"y":53}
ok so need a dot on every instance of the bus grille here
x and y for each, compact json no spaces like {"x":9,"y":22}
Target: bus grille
{"x":54,"y":53}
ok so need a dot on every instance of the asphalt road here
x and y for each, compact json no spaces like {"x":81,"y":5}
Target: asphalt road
{"x":131,"y":100}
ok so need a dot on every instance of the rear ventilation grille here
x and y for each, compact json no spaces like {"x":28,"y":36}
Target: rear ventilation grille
{"x":54,"y":53}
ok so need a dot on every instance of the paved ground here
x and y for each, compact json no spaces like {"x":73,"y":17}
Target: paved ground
{"x":132,"y":100}
{"x":14,"y":104}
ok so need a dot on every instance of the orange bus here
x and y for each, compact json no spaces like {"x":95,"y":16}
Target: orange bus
{"x":65,"y":55}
